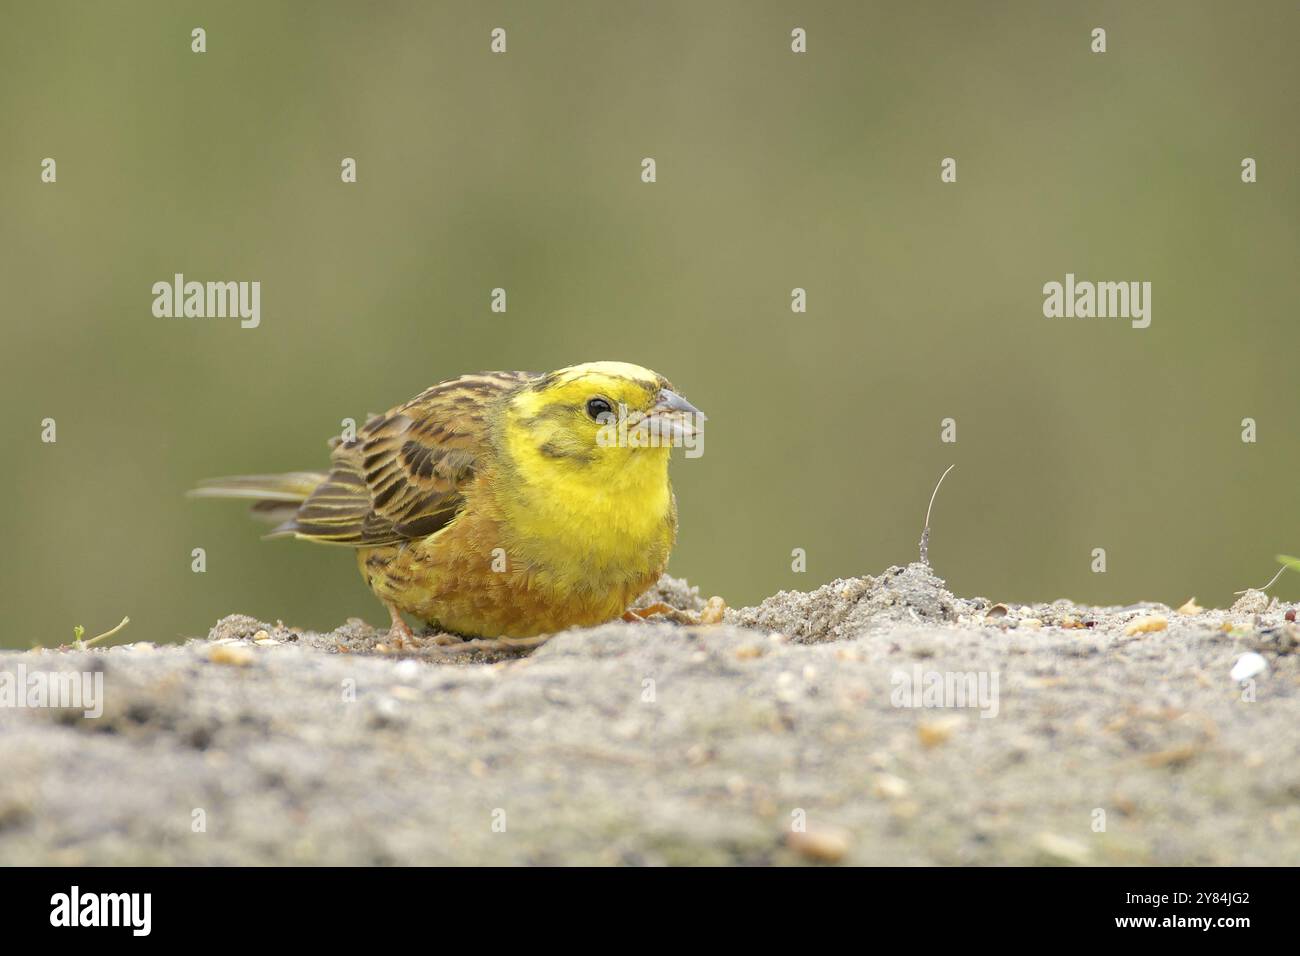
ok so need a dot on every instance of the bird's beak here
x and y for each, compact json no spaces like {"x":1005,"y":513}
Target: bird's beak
{"x":672,"y":402}
{"x":677,"y":418}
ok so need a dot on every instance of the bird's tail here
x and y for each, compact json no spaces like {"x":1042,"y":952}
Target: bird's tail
{"x":275,"y":498}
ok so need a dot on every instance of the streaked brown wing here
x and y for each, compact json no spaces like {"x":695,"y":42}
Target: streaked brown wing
{"x":401,"y":478}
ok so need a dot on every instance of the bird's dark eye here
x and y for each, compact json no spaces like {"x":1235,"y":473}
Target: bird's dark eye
{"x":597,"y":407}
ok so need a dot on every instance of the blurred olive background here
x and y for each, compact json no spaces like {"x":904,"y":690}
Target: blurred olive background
{"x":775,"y":170}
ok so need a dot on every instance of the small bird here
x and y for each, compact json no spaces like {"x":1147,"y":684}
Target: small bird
{"x":499,"y":504}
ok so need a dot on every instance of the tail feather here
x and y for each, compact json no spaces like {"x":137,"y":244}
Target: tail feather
{"x":275,"y":497}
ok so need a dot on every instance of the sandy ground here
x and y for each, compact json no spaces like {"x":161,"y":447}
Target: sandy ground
{"x":778,"y":736}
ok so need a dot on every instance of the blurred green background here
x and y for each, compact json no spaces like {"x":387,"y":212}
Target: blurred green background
{"x":775,"y":170}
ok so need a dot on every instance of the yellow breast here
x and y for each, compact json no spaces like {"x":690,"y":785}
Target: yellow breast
{"x":535,"y":555}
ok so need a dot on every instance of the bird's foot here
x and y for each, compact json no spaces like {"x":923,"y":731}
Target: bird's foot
{"x":443,"y":639}
{"x":400,"y":636}
{"x":658,"y":608}
{"x":712,"y":613}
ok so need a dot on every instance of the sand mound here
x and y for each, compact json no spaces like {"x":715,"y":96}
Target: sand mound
{"x":848,"y":607}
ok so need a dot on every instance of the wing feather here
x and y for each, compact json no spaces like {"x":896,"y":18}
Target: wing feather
{"x":402,"y":477}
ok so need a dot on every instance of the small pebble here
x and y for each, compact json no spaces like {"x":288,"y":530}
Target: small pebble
{"x":933,"y":733}
{"x":822,"y":844}
{"x":888,"y":786}
{"x":1146,"y":625}
{"x":232,"y":654}
{"x":713,"y":611}
{"x":1059,"y":849}
{"x":1247,"y":666}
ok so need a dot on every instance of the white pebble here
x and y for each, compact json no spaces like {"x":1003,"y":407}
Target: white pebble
{"x":1247,"y":666}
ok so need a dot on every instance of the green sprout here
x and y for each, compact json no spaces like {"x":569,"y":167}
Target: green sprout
{"x":78,"y":632}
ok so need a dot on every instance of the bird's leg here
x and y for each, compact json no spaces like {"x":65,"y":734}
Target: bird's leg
{"x":399,"y":632}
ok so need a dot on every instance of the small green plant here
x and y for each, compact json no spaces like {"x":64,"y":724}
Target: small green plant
{"x":78,"y":632}
{"x":1290,"y":562}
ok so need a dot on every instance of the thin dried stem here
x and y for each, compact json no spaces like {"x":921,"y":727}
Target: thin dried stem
{"x":925,"y":533}
{"x":1266,"y":586}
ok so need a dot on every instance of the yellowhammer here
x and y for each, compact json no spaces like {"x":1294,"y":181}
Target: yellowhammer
{"x":502,"y":503}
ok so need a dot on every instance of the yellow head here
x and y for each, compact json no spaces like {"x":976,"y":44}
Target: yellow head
{"x":602,"y":425}
{"x":580,"y":480}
